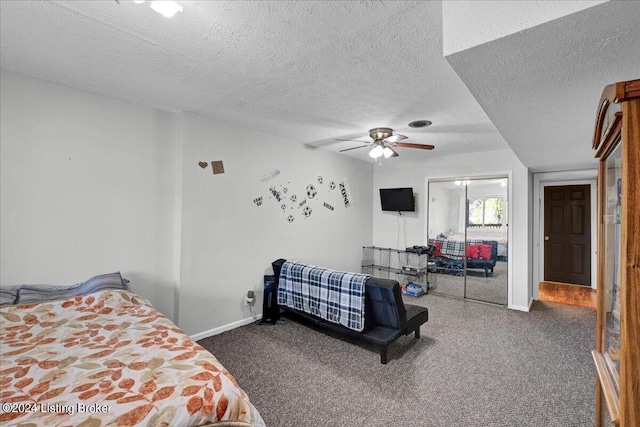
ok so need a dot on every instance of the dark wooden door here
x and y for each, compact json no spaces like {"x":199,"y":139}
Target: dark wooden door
{"x":567,"y":234}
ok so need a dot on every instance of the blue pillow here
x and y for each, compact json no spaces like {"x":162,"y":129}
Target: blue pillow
{"x":30,"y":294}
{"x":9,"y":295}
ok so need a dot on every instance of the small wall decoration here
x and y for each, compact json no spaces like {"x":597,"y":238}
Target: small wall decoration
{"x":332,"y":185}
{"x":276,"y":193}
{"x":203,"y":165}
{"x":290,"y":218}
{"x":283,"y":207}
{"x":302,"y":203}
{"x":293,"y":198}
{"x":311,"y":191}
{"x":346,"y":193}
{"x":258,"y":201}
{"x":328,"y":206}
{"x":217,"y":166}
{"x":320,"y":180}
{"x":307,"y":211}
{"x":270,"y":175}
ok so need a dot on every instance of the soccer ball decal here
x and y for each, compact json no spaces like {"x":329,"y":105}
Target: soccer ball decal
{"x":332,"y":185}
{"x":290,"y":218}
{"x":311,"y":191}
{"x":306,"y":211}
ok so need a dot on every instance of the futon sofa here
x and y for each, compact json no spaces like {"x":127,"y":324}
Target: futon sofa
{"x":386,"y":317}
{"x":450,"y":255}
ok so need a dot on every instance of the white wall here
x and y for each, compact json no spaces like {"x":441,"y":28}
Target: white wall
{"x":85,"y":181}
{"x":228,"y":241}
{"x":415,"y":174}
{"x":439,"y":220}
{"x":92,"y":185}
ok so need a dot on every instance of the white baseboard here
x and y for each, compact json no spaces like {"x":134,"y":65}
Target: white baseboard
{"x":522,"y":307}
{"x":224,"y":328}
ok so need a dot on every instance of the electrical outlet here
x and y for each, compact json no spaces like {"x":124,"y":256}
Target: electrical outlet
{"x":249,"y":298}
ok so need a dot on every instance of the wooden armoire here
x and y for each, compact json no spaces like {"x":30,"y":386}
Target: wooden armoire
{"x":617,"y":354}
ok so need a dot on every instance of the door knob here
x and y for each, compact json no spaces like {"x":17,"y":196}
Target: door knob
{"x":546,"y":237}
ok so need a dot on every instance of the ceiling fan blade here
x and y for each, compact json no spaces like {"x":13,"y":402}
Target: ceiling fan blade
{"x":395,"y":153}
{"x":395,"y":138}
{"x":410,"y":145}
{"x":354,"y":140}
{"x":348,"y":149}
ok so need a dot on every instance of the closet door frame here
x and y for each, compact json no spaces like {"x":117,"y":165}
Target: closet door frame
{"x":509,"y":217}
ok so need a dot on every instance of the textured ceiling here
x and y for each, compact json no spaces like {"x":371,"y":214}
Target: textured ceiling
{"x":312,"y":71}
{"x":307,"y":71}
{"x":542,"y":86}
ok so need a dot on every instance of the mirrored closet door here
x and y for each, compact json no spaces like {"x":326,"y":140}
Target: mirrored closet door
{"x":445,"y":201}
{"x":467,"y":224}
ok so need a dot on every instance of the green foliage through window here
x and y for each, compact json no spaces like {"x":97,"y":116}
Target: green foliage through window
{"x":485,"y":212}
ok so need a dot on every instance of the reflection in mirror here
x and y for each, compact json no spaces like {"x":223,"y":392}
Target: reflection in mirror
{"x":467,"y":223}
{"x":486,"y":237}
{"x":446,"y":200}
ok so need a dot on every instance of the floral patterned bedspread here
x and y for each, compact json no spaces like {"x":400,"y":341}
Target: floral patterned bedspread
{"x":110,"y":358}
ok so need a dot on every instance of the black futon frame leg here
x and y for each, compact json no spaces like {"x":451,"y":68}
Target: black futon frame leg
{"x":383,"y":354}
{"x":418,"y":332}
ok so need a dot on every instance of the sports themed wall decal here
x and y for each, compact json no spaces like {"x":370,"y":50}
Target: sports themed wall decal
{"x":276,"y":194}
{"x":346,"y":193}
{"x":307,"y":212}
{"x":203,"y":165}
{"x":270,"y":175}
{"x":314,"y":193}
{"x":311,"y":191}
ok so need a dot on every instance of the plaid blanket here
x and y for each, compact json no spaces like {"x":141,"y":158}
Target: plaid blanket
{"x":334,"y":296}
{"x":455,"y":249}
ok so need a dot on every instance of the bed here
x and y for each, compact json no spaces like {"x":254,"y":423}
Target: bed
{"x":475,"y":237}
{"x":107,"y":357}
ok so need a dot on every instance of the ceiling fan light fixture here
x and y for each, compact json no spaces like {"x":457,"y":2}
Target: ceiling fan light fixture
{"x":166,"y":8}
{"x":380,"y":133}
{"x":376,"y":152}
{"x":384,"y":142}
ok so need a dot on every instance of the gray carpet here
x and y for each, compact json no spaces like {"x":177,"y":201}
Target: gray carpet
{"x":490,"y":289}
{"x":475,"y":365}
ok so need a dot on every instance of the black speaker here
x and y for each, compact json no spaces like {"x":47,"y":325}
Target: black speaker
{"x":270,"y":309}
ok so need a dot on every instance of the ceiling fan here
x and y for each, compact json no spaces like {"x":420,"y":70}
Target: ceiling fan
{"x":383,"y":141}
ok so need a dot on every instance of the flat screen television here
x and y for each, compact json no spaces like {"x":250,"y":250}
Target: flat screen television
{"x":397,"y":199}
